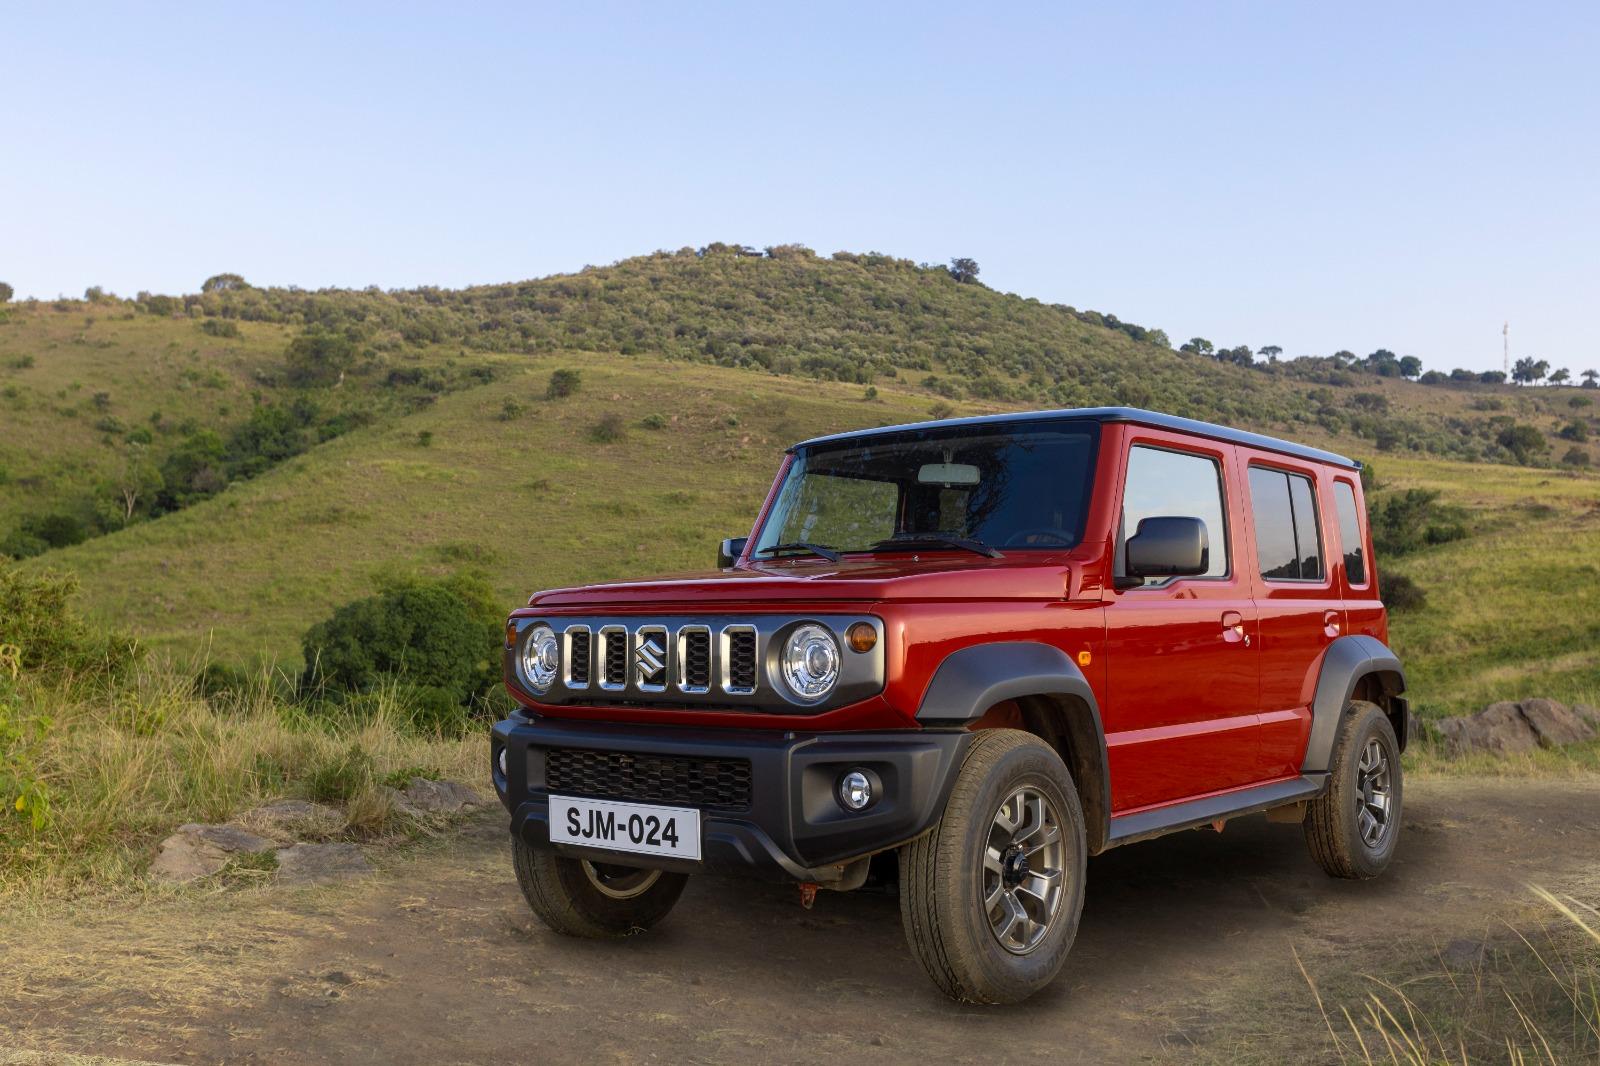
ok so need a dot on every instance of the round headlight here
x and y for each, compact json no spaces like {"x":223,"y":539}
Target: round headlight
{"x":541,"y":658}
{"x":811,"y":662}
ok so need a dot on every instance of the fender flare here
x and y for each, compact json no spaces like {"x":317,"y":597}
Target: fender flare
{"x":1344,"y":664}
{"x":970,"y":681}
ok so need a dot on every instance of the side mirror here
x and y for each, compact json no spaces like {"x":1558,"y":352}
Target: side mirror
{"x":1169,"y":546}
{"x":728,"y":551}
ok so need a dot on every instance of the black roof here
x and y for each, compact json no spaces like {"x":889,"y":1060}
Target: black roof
{"x":1108,"y":414}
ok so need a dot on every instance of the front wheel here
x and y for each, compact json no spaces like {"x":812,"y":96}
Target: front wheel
{"x":593,"y":899}
{"x":1353,"y":827}
{"x":990,"y":898}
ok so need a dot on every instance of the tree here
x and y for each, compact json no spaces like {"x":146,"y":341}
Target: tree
{"x":134,"y":488}
{"x":1270,"y":352}
{"x":1528,"y":370}
{"x":319,"y":357}
{"x":1410,"y":366}
{"x":1384,"y":363}
{"x":964,"y":270}
{"x":1492,"y":377}
{"x":1560,"y":376}
{"x":6,"y":293}
{"x":1198,"y":346}
{"x":1591,"y":379}
{"x":563,"y":383}
{"x":1240,"y":356}
{"x":223,"y":283}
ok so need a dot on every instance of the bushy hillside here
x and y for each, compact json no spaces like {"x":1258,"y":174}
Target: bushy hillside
{"x":288,"y":449}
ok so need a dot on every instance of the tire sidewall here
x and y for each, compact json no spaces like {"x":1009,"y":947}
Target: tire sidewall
{"x":1005,"y":976}
{"x":1371,"y":724}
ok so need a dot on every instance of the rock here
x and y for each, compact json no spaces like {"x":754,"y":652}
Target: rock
{"x":1499,"y":728}
{"x":1556,"y":723}
{"x":289,"y":820}
{"x":1587,"y":713}
{"x":423,"y":797}
{"x":307,"y":864}
{"x":1415,"y":730}
{"x":201,"y":850}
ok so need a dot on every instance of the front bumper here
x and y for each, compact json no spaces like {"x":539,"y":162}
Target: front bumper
{"x":791,"y":828}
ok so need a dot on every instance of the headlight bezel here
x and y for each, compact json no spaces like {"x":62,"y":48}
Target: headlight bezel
{"x":537,"y":670}
{"x":810,"y":661}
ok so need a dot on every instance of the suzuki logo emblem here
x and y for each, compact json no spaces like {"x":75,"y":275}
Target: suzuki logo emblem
{"x":650,"y":658}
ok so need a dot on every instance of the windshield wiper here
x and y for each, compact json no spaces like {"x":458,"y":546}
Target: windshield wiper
{"x":901,"y":540}
{"x":803,"y":546}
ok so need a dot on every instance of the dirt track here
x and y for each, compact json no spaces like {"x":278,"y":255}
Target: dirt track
{"x":1185,"y":946}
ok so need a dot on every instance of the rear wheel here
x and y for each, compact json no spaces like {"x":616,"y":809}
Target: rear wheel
{"x":990,"y":899}
{"x":593,"y":899}
{"x":1353,"y":827}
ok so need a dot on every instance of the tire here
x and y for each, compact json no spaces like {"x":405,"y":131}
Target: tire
{"x":945,"y":875}
{"x":1339,"y":823}
{"x":593,"y":900}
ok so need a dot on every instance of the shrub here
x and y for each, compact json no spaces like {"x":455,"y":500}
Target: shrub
{"x":6,"y":293}
{"x":41,"y":533}
{"x":1525,"y":443}
{"x":609,"y":429}
{"x":1401,"y":594}
{"x":563,"y":383}
{"x":37,"y":619}
{"x":424,"y":438}
{"x":1575,"y":457}
{"x":440,"y":640}
{"x":653,"y":421}
{"x":941,"y":410}
{"x":1575,"y":431}
{"x":511,"y":409}
{"x":1414,"y":519}
{"x":219,"y":327}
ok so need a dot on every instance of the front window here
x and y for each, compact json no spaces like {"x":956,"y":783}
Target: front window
{"x":1002,"y":486}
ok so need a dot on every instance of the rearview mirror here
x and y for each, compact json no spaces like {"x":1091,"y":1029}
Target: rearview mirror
{"x":1169,"y":546}
{"x":947,"y":474}
{"x":728,"y":551}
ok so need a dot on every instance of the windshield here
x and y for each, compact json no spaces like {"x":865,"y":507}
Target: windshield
{"x":1011,"y":486}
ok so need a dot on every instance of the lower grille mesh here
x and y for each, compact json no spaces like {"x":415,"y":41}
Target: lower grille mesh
{"x":699,"y":782}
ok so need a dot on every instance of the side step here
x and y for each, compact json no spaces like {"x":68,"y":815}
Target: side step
{"x":1163,"y":820}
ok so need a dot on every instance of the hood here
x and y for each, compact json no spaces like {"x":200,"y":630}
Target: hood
{"x":933,"y":576}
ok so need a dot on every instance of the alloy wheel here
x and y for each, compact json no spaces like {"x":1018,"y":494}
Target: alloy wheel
{"x":1022,"y":870}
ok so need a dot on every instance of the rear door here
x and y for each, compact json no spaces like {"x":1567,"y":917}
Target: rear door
{"x":1181,"y":676}
{"x":1299,"y":604}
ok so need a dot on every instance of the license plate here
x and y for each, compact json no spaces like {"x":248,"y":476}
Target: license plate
{"x":640,"y":828}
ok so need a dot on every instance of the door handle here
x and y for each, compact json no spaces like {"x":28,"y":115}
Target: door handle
{"x":1233,"y":628}
{"x":1331,"y":624}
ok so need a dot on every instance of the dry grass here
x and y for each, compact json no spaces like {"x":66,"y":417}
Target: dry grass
{"x":1529,"y":997}
{"x":122,"y":766}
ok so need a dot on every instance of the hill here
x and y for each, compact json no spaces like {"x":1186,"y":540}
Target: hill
{"x":435,"y":445}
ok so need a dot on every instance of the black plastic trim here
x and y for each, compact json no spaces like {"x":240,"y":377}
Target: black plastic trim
{"x":1145,"y":825}
{"x":972,"y":680}
{"x":794,"y":828}
{"x":1346,"y":662}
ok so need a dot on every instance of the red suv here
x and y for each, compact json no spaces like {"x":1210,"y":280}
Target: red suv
{"x":964,"y":656}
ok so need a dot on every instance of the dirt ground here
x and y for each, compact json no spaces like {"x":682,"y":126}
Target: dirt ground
{"x":1187,"y":951}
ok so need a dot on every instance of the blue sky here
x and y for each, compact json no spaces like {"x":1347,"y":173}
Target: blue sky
{"x":1317,"y":176}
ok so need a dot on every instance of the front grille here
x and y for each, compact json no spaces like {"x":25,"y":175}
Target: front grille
{"x":616,"y":665}
{"x":741,"y":660}
{"x":578,"y":657}
{"x":696,"y":660}
{"x":697,"y":782}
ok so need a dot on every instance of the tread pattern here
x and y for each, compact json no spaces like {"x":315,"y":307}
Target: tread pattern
{"x":1328,"y":825}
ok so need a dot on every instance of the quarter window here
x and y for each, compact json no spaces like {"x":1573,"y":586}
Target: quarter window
{"x":1288,"y":544}
{"x":1162,"y":483}
{"x":1355,"y":555}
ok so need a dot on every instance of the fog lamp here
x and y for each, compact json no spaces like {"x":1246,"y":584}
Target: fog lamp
{"x":855,"y":791}
{"x":501,"y":760}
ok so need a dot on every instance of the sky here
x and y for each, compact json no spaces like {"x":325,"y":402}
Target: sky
{"x":1314,"y":176}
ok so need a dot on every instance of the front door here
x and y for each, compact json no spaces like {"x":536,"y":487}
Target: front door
{"x":1182,"y":667}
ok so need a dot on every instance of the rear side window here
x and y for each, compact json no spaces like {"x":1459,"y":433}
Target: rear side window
{"x":1180,"y":485}
{"x":1355,"y":555}
{"x":1288,"y":544}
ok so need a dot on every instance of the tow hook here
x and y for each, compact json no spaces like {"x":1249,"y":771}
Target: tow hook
{"x":808,"y":894}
